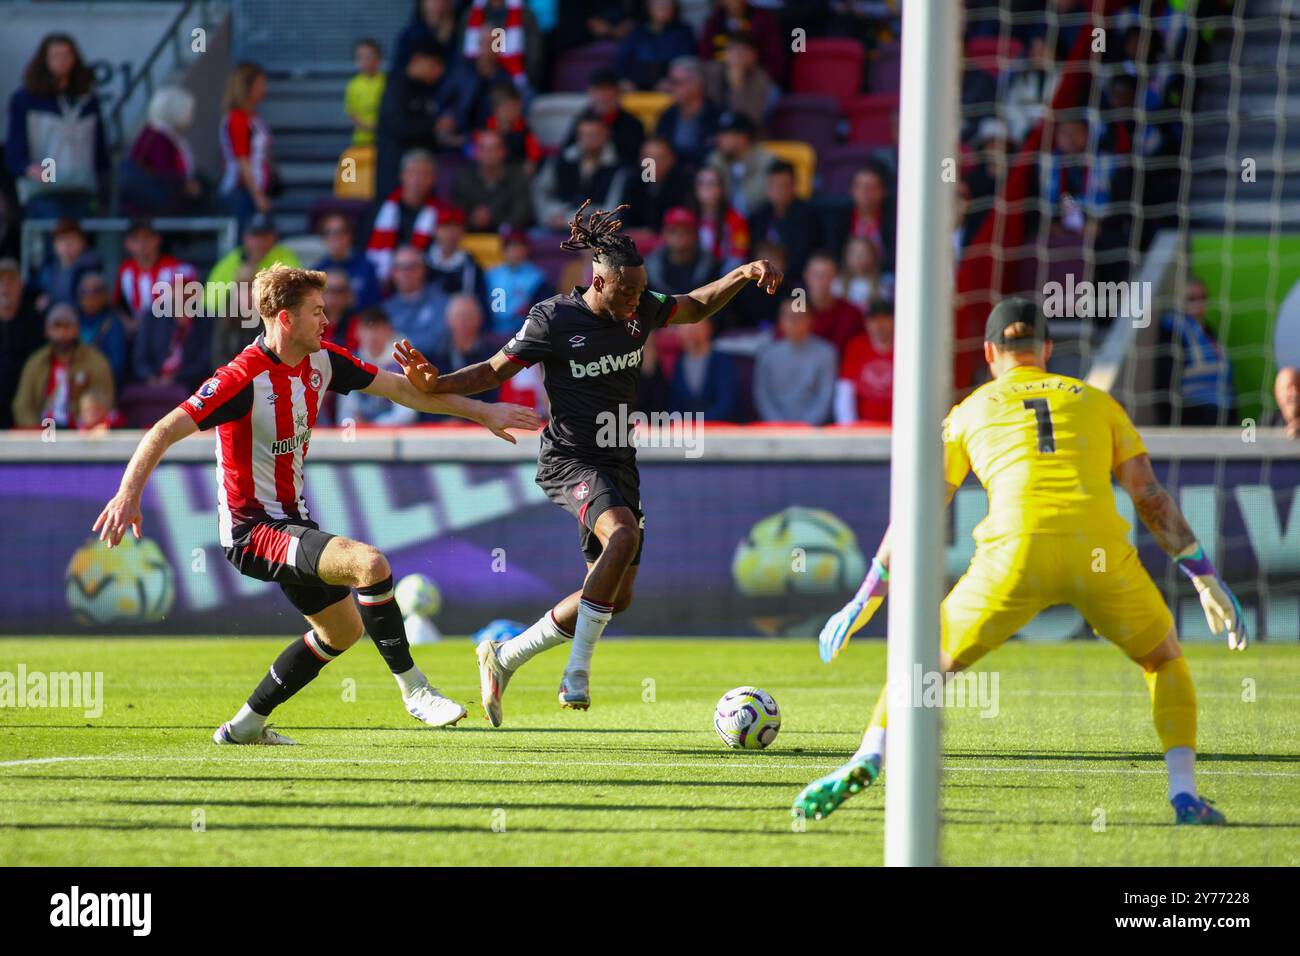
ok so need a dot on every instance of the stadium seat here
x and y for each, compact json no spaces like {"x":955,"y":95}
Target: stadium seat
{"x":884,"y":75}
{"x":364,"y":185}
{"x":838,"y":166}
{"x":870,"y":118}
{"x":799,"y":155}
{"x":354,"y":210}
{"x":573,"y":68}
{"x":551,"y":115}
{"x":647,"y":106}
{"x":830,"y":66}
{"x":143,"y":405}
{"x":991,"y":53}
{"x":485,"y":247}
{"x":552,"y":260}
{"x":810,"y":117}
{"x":449,"y":167}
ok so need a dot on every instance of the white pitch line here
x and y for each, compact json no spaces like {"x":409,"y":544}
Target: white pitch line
{"x":732,"y":764}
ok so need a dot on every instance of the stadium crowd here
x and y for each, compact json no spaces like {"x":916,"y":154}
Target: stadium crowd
{"x":709,"y":179}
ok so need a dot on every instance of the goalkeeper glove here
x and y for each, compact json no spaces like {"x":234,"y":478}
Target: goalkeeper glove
{"x":1222,"y":609}
{"x":849,"y":619}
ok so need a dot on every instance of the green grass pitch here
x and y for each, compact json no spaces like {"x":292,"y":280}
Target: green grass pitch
{"x":1066,"y":773}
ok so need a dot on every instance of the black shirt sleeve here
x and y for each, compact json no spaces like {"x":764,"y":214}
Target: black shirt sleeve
{"x":656,"y":308}
{"x":347,"y":372}
{"x":532,"y":343}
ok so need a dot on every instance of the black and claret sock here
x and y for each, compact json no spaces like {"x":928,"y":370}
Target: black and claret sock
{"x":383,"y":620}
{"x":295,"y":668}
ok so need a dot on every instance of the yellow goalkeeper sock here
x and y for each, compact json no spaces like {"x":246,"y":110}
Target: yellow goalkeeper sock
{"x":873,"y":740}
{"x":1173,"y":703}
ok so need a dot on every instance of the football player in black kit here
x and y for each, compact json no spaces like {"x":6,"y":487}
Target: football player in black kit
{"x":589,"y":343}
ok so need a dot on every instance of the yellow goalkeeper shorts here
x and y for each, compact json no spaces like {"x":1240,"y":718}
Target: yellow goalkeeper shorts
{"x":1011,"y":579}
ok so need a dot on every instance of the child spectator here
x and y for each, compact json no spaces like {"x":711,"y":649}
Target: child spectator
{"x":96,"y":414}
{"x":57,"y":281}
{"x":364,"y":91}
{"x":101,"y":323}
{"x":514,"y":285}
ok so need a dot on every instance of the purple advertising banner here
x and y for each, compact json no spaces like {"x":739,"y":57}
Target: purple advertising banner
{"x":732,"y":548}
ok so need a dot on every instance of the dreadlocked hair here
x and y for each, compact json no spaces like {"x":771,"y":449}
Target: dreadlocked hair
{"x":600,"y":234}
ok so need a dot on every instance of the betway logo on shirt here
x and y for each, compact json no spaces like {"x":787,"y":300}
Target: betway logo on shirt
{"x":607,"y":364}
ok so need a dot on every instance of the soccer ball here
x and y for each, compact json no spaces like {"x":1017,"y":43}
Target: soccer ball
{"x":416,"y":594}
{"x":798,"y":551}
{"x":130,"y":584}
{"x":747,"y":719}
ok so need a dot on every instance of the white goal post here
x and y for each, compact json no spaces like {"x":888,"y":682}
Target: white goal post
{"x":922,"y":388}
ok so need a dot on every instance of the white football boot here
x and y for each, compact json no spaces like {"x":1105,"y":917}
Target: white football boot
{"x":269,"y":737}
{"x":426,"y":705}
{"x":493,"y":677}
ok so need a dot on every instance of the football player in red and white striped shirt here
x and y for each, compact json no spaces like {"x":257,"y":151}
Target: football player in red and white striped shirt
{"x":263,"y":405}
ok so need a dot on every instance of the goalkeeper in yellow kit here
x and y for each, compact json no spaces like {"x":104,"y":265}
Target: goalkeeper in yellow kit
{"x":1045,"y":447}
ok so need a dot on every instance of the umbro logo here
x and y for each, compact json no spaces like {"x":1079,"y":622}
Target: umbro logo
{"x":578,"y":341}
{"x":271,"y":397}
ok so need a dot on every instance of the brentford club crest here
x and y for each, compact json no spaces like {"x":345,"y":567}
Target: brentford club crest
{"x":633,"y":328}
{"x":581,"y":491}
{"x":314,"y":380}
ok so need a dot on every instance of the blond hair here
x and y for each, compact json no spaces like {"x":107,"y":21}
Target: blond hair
{"x":284,"y":287}
{"x":240,"y":86}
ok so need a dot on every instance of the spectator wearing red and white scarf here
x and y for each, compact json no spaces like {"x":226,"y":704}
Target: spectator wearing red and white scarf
{"x":409,"y":216}
{"x":520,"y":53}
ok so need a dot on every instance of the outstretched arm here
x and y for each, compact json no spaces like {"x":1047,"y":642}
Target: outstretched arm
{"x":1164,"y":519}
{"x":123,"y":510}
{"x":851,"y":618}
{"x":495,"y":417}
{"x":1155,"y":506}
{"x":709,"y":299}
{"x":471,"y":380}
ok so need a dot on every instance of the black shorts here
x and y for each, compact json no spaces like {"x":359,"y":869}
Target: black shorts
{"x":288,"y":553}
{"x":588,"y":491}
